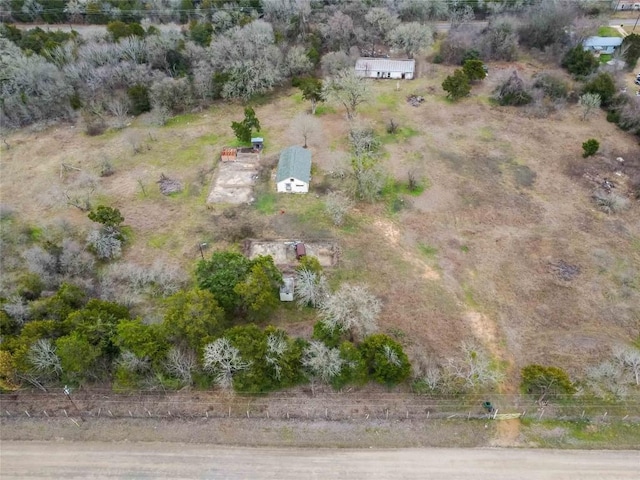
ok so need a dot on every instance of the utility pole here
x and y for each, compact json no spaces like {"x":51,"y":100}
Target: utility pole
{"x":636,"y":24}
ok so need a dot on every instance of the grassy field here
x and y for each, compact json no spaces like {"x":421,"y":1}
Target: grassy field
{"x":469,"y":257}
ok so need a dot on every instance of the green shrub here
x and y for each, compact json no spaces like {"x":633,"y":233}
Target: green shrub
{"x":139,"y":99}
{"x":590,"y":147}
{"x":580,"y":62}
{"x":457,"y":85}
{"x":474,"y":69}
{"x":385,"y":359}
{"x":604,"y":86}
{"x":546,"y":382}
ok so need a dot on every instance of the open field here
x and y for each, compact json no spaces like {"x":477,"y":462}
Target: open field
{"x":473,"y":257}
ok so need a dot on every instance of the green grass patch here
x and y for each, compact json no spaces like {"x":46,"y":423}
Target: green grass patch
{"x":182,"y":120}
{"x":194,"y":152}
{"x":605,"y":57}
{"x":266,"y":203}
{"x":402,"y":134}
{"x":468,"y":296}
{"x":582,"y":434}
{"x":389,"y":100}
{"x":159,"y":240}
{"x":324,"y":109}
{"x":427,"y":250}
{"x":608,"y":32}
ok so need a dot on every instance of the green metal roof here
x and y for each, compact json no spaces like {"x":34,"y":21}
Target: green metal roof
{"x":295,"y":162}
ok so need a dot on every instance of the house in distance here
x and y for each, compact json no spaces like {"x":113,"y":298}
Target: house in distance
{"x":294,"y":170}
{"x":598,"y":45}
{"x":385,"y":68}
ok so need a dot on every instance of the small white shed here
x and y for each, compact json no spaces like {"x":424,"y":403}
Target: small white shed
{"x":385,"y":68}
{"x":286,"y":289}
{"x":294,"y":170}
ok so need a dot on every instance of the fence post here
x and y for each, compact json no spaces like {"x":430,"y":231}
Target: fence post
{"x":541,"y":413}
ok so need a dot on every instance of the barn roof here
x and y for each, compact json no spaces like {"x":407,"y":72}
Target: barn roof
{"x":295,"y":162}
{"x":603,"y":42}
{"x":364,"y":64}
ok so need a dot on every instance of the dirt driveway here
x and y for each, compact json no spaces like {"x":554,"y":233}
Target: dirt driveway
{"x":42,"y":460}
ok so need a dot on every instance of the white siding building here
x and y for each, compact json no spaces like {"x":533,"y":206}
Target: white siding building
{"x":294,"y":170}
{"x":385,"y":68}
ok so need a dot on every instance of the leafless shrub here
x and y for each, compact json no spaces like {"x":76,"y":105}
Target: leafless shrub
{"x":74,"y":260}
{"x":629,"y":358}
{"x":276,"y":347}
{"x":352,"y":309}
{"x":17,"y":308}
{"x":119,"y":108}
{"x":334,"y":62}
{"x":181,"y":364}
{"x":311,"y":288}
{"x":132,"y":363}
{"x":321,"y":361}
{"x":338,"y":206}
{"x":43,"y":264}
{"x":608,"y":379}
{"x":106,"y":243}
{"x":458,"y":43}
{"x":105,"y":167}
{"x":135,"y":140}
{"x":589,"y":102}
{"x":224,"y":361}
{"x":159,"y":115}
{"x":610,"y":202}
{"x":474,"y":369}
{"x":159,"y":279}
{"x":43,"y":358}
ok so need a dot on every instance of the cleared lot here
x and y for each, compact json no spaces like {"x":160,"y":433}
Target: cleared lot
{"x":284,"y":254}
{"x":234,"y":181}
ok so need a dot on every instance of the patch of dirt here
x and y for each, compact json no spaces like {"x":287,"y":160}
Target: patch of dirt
{"x":507,"y":433}
{"x":284,"y":253}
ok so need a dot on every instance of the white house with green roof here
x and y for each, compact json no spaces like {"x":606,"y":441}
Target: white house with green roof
{"x":294,"y":170}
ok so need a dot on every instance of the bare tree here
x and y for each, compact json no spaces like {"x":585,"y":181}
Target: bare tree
{"x":334,"y":62}
{"x":308,"y":127}
{"x":629,"y":358}
{"x":352,"y":309}
{"x":132,"y":363}
{"x":338,"y":206}
{"x":181,"y":363}
{"x":348,"y":89}
{"x":474,"y":368}
{"x":589,"y":102}
{"x":106,"y":242}
{"x":224,"y":361}
{"x":43,"y":358}
{"x":276,"y":347}
{"x":321,"y":361}
{"x":411,"y":37}
{"x":380,"y":22}
{"x":17,"y":308}
{"x":119,"y":108}
{"x":311,"y":288}
{"x":339,"y":31}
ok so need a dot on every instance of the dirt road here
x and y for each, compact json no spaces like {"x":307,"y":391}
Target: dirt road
{"x":68,"y":460}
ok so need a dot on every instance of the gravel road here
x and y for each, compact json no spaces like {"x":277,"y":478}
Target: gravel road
{"x":96,"y":460}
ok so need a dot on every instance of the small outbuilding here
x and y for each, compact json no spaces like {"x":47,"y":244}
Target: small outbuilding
{"x":385,"y":68}
{"x":607,"y":45}
{"x":257,"y":143}
{"x":294,"y":170}
{"x":286,"y":289}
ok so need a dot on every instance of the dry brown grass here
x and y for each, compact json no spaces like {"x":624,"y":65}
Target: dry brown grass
{"x":493,"y":227}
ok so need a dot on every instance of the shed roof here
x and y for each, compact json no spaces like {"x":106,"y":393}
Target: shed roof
{"x":257,"y":139}
{"x":603,"y":42}
{"x":385,"y":65}
{"x":295,"y":162}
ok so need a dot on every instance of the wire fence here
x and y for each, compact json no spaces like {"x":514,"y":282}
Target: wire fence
{"x":353,"y":406}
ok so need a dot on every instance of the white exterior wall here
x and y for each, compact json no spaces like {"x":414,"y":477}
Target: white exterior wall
{"x":383,"y":75}
{"x":295,"y":186}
